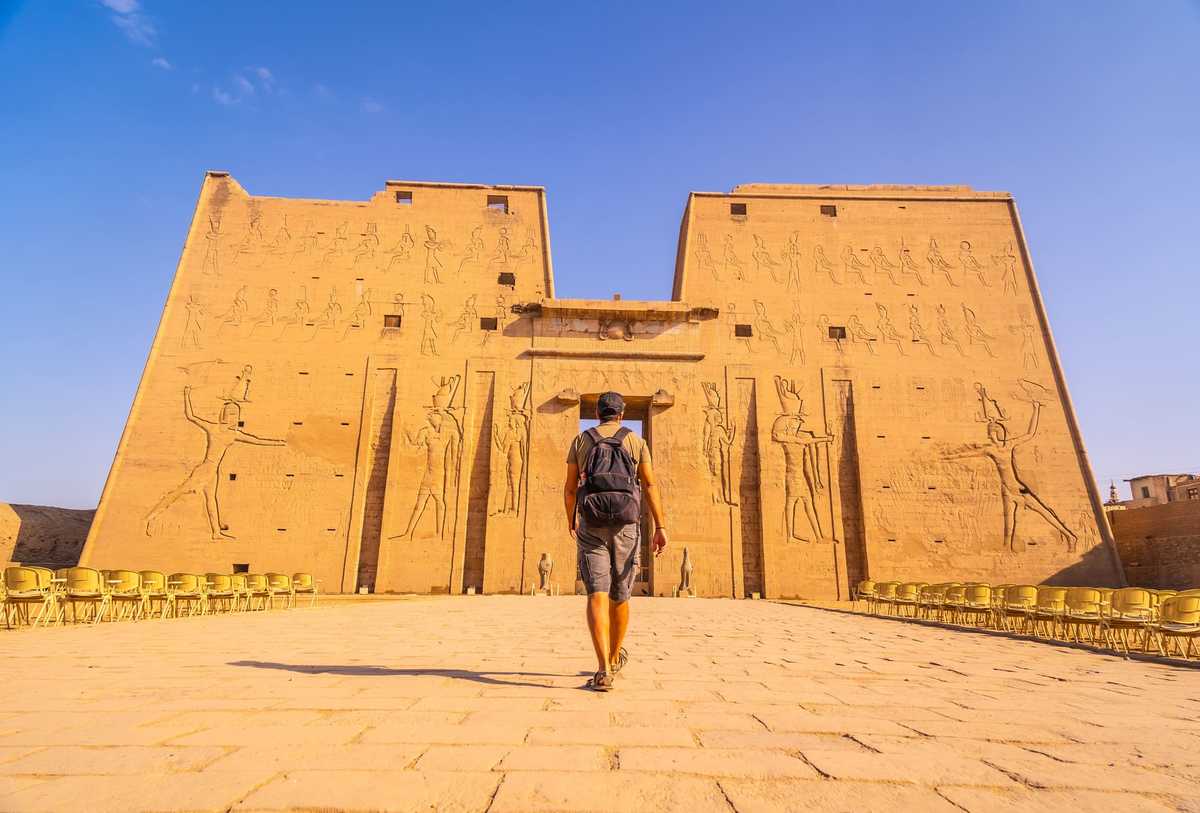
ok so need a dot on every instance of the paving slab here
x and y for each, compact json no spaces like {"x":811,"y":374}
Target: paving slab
{"x":478,"y":703}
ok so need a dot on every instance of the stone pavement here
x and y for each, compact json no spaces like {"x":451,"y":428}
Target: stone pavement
{"x":475,"y":704}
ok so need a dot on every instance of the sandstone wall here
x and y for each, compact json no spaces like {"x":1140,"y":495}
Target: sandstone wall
{"x":42,"y":534}
{"x":1160,"y":544}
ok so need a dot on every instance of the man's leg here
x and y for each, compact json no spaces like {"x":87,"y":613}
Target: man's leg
{"x":618,"y":623}
{"x":598,"y":608}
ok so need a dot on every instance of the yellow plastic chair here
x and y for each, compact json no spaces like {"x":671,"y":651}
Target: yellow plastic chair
{"x":303,"y":584}
{"x":1082,"y":607}
{"x":28,"y":589}
{"x":1019,"y":603}
{"x":953,"y":603}
{"x":907,"y":595}
{"x":977,"y":604}
{"x":929,"y":600}
{"x":280,"y":586}
{"x":241,"y":590}
{"x":863,"y":591}
{"x":85,"y":586}
{"x":187,"y":593}
{"x":159,"y":600}
{"x":1179,"y":619}
{"x":1131,"y":612}
{"x":885,"y":595}
{"x":1047,"y":613}
{"x":221,"y":595}
{"x":257,"y":589}
{"x":125,"y":594}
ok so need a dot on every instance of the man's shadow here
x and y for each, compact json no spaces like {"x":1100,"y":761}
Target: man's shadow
{"x":383,"y":671}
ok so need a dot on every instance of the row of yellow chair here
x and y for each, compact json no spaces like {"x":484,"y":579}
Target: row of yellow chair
{"x":1120,"y":619}
{"x":38,"y":596}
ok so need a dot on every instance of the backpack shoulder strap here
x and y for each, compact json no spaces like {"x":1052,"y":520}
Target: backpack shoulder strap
{"x":594,"y":435}
{"x":622,"y":433}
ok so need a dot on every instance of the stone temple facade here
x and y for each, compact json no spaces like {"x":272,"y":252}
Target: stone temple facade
{"x":847,"y":381}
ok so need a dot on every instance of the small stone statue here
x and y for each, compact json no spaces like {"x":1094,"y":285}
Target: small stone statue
{"x":685,"y":574}
{"x":545,"y":568}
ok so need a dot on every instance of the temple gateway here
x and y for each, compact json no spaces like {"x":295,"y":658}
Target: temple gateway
{"x":847,"y":380}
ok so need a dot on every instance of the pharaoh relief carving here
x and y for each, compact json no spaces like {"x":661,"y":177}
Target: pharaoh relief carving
{"x":268,"y":315}
{"x":512,"y":442}
{"x":433,"y":259}
{"x":212,"y":248}
{"x":402,"y":251}
{"x":852,"y":265}
{"x":328,"y":320}
{"x":938,"y":264}
{"x":1029,"y":355}
{"x":1000,"y":449}
{"x":473,"y":255}
{"x":918,"y":330}
{"x":219,"y":436}
{"x":805,"y":457}
{"x":970,"y":265}
{"x":441,"y":440}
{"x":430,"y":315}
{"x":765,"y":329}
{"x":298,"y":317}
{"x":975,"y":333}
{"x":887,"y":331}
{"x":1006,"y":261}
{"x":859,"y":333}
{"x":359,"y":314}
{"x":237,"y":311}
{"x":763,"y":261}
{"x":822,"y":265}
{"x":794,"y":327}
{"x":909,"y":267}
{"x":704,"y":258}
{"x":946,"y":333}
{"x":828,"y":336}
{"x":468,"y":319}
{"x":364,"y":252}
{"x":730,"y":259}
{"x":884,"y":266}
{"x":192,"y":324}
{"x":719,"y":434}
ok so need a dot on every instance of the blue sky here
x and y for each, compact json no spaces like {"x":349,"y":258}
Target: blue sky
{"x":110,"y":113}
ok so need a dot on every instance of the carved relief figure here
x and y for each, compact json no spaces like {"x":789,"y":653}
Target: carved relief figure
{"x":329,"y":317}
{"x":852,"y":265}
{"x":512,"y":441}
{"x":730,"y":258}
{"x":237,"y":311}
{"x":704,"y":259}
{"x":908,"y":266}
{"x":887,"y":331}
{"x":731,"y":315}
{"x":826,"y":334}
{"x":367,"y":246}
{"x":270,"y":312}
{"x":545,"y":569}
{"x":467,"y":321}
{"x":192,"y":326}
{"x":403,"y":250}
{"x":528,"y":251}
{"x":283,"y":239}
{"x":946,"y":331}
{"x":359,"y":314}
{"x":1001,"y":449}
{"x":802,"y":462}
{"x":791,"y":255}
{"x":938,"y":263}
{"x":976,"y":334}
{"x":299,"y":314}
{"x":1029,"y":356}
{"x":859,"y":333}
{"x":719,"y":433}
{"x":883,"y":265}
{"x":474,"y":252}
{"x":822,"y":265}
{"x":433,"y":263}
{"x":762,"y":325}
{"x":212,"y":247}
{"x":429,"y":334}
{"x":219,"y":435}
{"x":763,"y":259}
{"x":969,"y":264}
{"x":1008,"y":268}
{"x":239,"y":389}
{"x":795,"y":327}
{"x":441,"y":439}
{"x":503,"y":249}
{"x":918,"y":330}
{"x":252,"y":238}
{"x":309,"y":242}
{"x":337,"y":247}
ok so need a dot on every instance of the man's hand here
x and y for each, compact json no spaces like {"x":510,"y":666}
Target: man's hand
{"x":571,"y":531}
{"x":660,"y":541}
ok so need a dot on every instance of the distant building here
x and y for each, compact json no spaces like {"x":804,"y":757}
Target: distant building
{"x":1156,"y":489}
{"x":1158,"y":530}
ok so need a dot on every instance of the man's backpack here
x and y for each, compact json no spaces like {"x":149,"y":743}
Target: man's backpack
{"x":611,"y":495}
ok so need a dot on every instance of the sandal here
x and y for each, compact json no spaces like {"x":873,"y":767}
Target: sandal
{"x":601,"y":682}
{"x":622,"y":659}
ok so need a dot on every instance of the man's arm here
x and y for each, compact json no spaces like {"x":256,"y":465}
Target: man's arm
{"x":1033,"y":426}
{"x":654,"y":499}
{"x":255,"y":440}
{"x":570,"y":492}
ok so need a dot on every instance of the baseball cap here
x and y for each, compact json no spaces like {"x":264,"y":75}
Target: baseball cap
{"x":610,"y":405}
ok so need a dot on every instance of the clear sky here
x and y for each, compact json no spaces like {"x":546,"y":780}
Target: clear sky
{"x":111,"y":111}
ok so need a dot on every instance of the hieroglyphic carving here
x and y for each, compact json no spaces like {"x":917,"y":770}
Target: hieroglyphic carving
{"x":946,"y":332}
{"x":402,"y":251}
{"x":730,"y":259}
{"x":884,"y":266}
{"x":237,"y":311}
{"x":359,"y":314}
{"x":220,"y":435}
{"x":795,"y":328}
{"x":938,"y":264}
{"x":887,"y":331}
{"x":503,"y":250}
{"x":238,"y":390}
{"x":826,"y":334}
{"x":441,"y":438}
{"x":908,"y":266}
{"x":918,"y":330}
{"x":467,"y":321}
{"x":512,"y":441}
{"x":766,"y":331}
{"x":1029,"y":355}
{"x":283,"y":239}
{"x":528,"y":251}
{"x":337,"y":247}
{"x":192,"y":326}
{"x":309,"y":243}
{"x":822,"y":265}
{"x":430,"y":315}
{"x":859,"y":333}
{"x":763,"y":259}
{"x":253,"y":237}
{"x":212,"y":248}
{"x":791,"y":256}
{"x":803,"y":462}
{"x":970,"y":264}
{"x":329,"y":317}
{"x":851,"y":264}
{"x":298,"y":318}
{"x":474,"y":253}
{"x":704,"y":258}
{"x":975,"y":333}
{"x":433,"y":261}
{"x":1001,"y":449}
{"x":1008,"y":268}
{"x":719,"y":433}
{"x":367,"y":246}
{"x":731,"y":316}
{"x":269,"y":314}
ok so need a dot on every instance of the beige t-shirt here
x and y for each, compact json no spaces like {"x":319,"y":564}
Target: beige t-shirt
{"x":632,"y":443}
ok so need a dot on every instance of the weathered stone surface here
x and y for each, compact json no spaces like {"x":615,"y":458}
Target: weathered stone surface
{"x":382,"y":392}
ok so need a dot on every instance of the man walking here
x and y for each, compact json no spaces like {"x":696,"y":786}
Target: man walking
{"x":608,"y":471}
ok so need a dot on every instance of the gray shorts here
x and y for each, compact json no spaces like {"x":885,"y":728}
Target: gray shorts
{"x":609,"y":559}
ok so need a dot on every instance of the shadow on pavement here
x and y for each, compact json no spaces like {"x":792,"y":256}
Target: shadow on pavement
{"x":384,"y":671}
